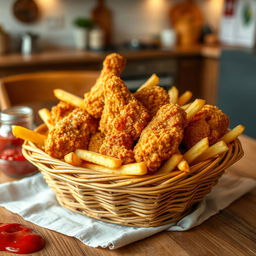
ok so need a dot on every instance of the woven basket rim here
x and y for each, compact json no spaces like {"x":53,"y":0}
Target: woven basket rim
{"x":60,"y":168}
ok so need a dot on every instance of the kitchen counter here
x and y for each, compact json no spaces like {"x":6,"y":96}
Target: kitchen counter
{"x":230,"y":232}
{"x":198,"y":63}
{"x":72,"y":56}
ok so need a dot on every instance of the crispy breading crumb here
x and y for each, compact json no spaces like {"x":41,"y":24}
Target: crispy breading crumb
{"x":152,"y":98}
{"x":118,"y":145}
{"x":96,"y":141}
{"x":59,"y":111}
{"x":70,"y":133}
{"x":122,"y":112}
{"x":94,"y":100}
{"x":209,"y":122}
{"x":161,"y":138}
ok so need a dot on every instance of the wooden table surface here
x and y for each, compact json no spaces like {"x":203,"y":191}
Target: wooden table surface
{"x":231,"y":232}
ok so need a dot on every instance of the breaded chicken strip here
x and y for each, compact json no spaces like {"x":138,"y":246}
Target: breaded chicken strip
{"x":70,"y":133}
{"x":118,"y":145}
{"x":152,"y":98}
{"x":122,"y":112}
{"x":94,"y":100}
{"x":161,"y":138}
{"x":96,"y":142}
{"x":122,"y":120}
{"x":209,"y":122}
{"x":59,"y":111}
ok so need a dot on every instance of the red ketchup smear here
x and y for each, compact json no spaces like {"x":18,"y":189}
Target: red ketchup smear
{"x":19,"y":239}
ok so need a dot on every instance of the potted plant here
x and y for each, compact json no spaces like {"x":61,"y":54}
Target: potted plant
{"x":81,"y":31}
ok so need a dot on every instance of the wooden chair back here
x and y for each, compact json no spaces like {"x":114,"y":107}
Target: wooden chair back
{"x":33,"y":88}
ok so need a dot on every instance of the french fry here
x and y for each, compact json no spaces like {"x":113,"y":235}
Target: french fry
{"x":183,"y":166}
{"x":196,"y":150}
{"x":97,"y":158}
{"x":68,"y":97}
{"x":44,"y":113}
{"x":153,"y":80}
{"x":194,"y":107}
{"x":128,"y":169}
{"x":73,"y":159}
{"x":233,"y":134}
{"x":26,"y":134}
{"x":185,"y":106}
{"x":170,"y":164}
{"x":184,"y":98}
{"x":173,"y":95}
{"x":214,"y":150}
{"x":133,"y":169}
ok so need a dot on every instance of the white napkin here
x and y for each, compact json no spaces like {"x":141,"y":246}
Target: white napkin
{"x":34,"y":201}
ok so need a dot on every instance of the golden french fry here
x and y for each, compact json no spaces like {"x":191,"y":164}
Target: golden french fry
{"x":72,"y":158}
{"x":26,"y":134}
{"x":97,"y":158}
{"x":170,"y":164}
{"x":196,"y":150}
{"x":173,"y":95}
{"x":153,"y":80}
{"x":185,"y":106}
{"x":44,"y":113}
{"x":184,"y":98}
{"x":68,"y":97}
{"x":128,"y":169}
{"x":214,"y":150}
{"x":194,"y":107}
{"x":183,"y":166}
{"x":233,"y":134}
{"x":133,"y":169}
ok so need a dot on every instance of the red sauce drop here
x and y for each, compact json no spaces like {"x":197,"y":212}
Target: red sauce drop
{"x":19,"y":239}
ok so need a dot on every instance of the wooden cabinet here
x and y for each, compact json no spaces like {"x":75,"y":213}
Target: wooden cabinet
{"x":188,"y":77}
{"x":209,"y":79}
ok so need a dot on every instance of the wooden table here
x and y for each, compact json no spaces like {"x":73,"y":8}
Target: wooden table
{"x":231,"y":232}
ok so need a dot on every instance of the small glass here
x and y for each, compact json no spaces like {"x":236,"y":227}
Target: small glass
{"x":12,"y":162}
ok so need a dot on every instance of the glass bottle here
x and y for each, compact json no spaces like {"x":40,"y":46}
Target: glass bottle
{"x":12,"y":162}
{"x":102,"y":17}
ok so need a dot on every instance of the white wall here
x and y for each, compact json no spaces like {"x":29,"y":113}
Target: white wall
{"x":132,"y":18}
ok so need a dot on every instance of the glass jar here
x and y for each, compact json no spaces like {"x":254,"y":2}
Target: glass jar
{"x":12,"y":162}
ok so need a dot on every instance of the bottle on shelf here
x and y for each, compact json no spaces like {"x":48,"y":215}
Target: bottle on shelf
{"x":102,"y":17}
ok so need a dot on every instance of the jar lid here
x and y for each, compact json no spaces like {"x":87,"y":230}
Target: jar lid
{"x":16,"y":114}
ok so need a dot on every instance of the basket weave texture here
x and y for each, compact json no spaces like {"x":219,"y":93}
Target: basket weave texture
{"x":146,"y":201}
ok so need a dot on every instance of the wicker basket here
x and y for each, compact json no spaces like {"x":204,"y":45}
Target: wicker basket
{"x":147,"y":201}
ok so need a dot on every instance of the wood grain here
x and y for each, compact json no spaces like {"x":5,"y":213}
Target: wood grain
{"x":38,"y":87}
{"x":75,"y":56}
{"x":231,"y":232}
{"x":4,"y":100}
{"x":210,"y":74}
{"x":176,"y":63}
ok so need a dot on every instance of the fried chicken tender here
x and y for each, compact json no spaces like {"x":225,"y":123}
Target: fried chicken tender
{"x":96,"y":142}
{"x":70,"y":133}
{"x":118,"y":145}
{"x":59,"y":111}
{"x":209,"y":122}
{"x":152,"y":98}
{"x":122,"y":120}
{"x":162,"y":136}
{"x":122,"y":111}
{"x":94,"y":100}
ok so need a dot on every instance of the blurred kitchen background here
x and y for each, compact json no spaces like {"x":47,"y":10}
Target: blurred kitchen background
{"x":206,"y":46}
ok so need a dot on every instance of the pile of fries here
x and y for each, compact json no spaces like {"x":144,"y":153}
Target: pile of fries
{"x":201,"y":151}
